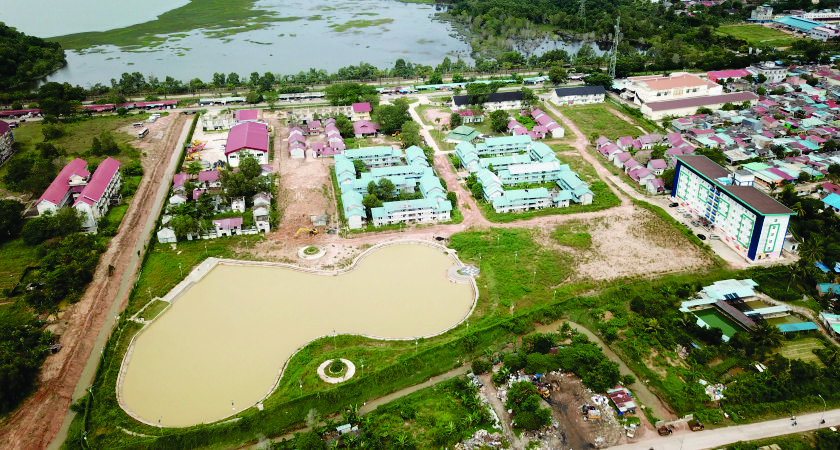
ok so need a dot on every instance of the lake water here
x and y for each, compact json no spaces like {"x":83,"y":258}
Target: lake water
{"x":319,"y":34}
{"x":219,"y":348}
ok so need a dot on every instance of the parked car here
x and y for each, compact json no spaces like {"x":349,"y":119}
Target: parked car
{"x":701,"y":236}
{"x":714,"y":236}
{"x":673,"y":205}
{"x":695,"y":223}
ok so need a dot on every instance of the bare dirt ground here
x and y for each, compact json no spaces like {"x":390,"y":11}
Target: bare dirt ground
{"x":430,"y":114}
{"x":35,"y":423}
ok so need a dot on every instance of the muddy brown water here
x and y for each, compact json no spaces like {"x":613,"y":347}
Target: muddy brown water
{"x":220,"y":347}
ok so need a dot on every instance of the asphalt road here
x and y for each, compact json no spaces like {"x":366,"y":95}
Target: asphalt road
{"x":709,"y":439}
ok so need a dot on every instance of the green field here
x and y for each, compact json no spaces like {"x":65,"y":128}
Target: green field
{"x":757,"y":35}
{"x":802,"y":349}
{"x":16,"y":257}
{"x":597,"y":119}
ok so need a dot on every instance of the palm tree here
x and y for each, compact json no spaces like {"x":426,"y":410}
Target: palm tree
{"x":652,"y":326}
{"x":813,"y":249}
{"x":766,"y":336}
{"x":773,"y":186}
{"x":798,"y":209}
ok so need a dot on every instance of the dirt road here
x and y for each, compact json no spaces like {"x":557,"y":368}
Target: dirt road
{"x":65,"y":375}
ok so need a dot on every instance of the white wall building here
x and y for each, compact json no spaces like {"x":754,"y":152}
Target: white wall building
{"x":579,"y":95}
{"x":654,"y":88}
{"x":95,"y":198}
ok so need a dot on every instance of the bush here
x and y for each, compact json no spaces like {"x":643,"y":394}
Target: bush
{"x":52,"y":131}
{"x":480,"y":366}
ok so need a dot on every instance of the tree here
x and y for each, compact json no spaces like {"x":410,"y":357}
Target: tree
{"x":58,"y":99}
{"x":410,"y":134}
{"x":11,"y":219}
{"x":360,"y":166}
{"x":598,"y":79}
{"x":183,"y":225}
{"x":349,"y":93}
{"x":310,"y":441}
{"x":477,"y":190}
{"x":761,"y":90}
{"x":193,"y":168}
{"x":271,"y":98}
{"x":523,"y":399}
{"x":529,"y":98}
{"x":499,"y":120}
{"x":558,"y":75}
{"x":435,"y":78}
{"x":766,"y":336}
{"x":345,"y":127}
{"x":253,"y":97}
{"x":370,"y":201}
{"x":250,"y":167}
{"x":391,"y":117}
{"x":63,"y":223}
{"x":458,"y":78}
{"x":385,"y":189}
{"x":761,"y":78}
{"x":455,"y":120}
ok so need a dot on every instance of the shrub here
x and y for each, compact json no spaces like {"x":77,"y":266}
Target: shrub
{"x":480,"y":366}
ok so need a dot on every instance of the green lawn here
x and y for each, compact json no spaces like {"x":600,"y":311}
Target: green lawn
{"x":758,"y":34}
{"x":153,"y":310}
{"x":16,"y":257}
{"x":597,"y":119}
{"x":802,"y":349}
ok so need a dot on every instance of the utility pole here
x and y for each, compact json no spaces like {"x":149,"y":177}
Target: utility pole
{"x":582,"y":11}
{"x":614,"y":52}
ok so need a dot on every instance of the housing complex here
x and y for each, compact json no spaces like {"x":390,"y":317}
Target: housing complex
{"x":416,"y":178}
{"x":514,"y":160}
{"x":91,"y":195}
{"x":635,"y":157}
{"x":748,"y":220}
{"x":546,"y":125}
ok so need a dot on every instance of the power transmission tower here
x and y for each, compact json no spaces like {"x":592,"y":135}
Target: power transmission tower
{"x":582,"y":11}
{"x":614,"y":52}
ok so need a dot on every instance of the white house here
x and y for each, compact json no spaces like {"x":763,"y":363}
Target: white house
{"x":579,"y":95}
{"x":657,"y":166}
{"x":166,"y":235}
{"x":261,"y":218}
{"x":228,"y":227}
{"x":495,"y":101}
{"x":653,"y":88}
{"x":237,"y":204}
{"x":354,"y":210}
{"x":247,"y":139}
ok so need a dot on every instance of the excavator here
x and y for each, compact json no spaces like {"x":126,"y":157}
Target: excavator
{"x":312,"y":232}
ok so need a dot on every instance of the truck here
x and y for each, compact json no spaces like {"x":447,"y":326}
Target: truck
{"x":695,"y":425}
{"x":664,"y":431}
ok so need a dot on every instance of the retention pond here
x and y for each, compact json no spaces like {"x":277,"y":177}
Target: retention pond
{"x":222,"y":345}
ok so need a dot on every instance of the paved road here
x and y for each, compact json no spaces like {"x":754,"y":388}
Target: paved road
{"x":707,"y":439}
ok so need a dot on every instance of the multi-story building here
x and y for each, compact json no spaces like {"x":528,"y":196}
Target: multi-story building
{"x":432,"y":207}
{"x":774,"y":73}
{"x":748,"y":220}
{"x":761,"y":14}
{"x":495,"y":101}
{"x":504,"y":145}
{"x":64,"y":188}
{"x":7,"y":141}
{"x":95,"y":198}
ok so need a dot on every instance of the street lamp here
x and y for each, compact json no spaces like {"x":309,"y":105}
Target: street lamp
{"x":181,"y":270}
{"x":822,"y":417}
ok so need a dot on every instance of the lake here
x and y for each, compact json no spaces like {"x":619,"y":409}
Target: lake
{"x":220,"y":348}
{"x":313,"y":34}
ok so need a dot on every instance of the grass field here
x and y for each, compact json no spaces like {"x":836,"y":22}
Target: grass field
{"x":597,"y":119}
{"x":219,"y":18}
{"x":802,"y":349}
{"x":16,"y":257}
{"x":153,"y":310}
{"x":757,"y":34}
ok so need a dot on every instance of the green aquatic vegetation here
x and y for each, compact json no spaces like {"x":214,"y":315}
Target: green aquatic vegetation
{"x":360,"y":24}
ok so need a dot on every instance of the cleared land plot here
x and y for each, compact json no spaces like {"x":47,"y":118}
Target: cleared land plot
{"x":641,"y":236}
{"x":597,"y":119}
{"x":16,"y":256}
{"x":802,"y":349}
{"x":757,"y":34}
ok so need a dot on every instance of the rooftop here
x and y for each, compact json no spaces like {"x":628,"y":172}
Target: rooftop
{"x":99,"y":181}
{"x":250,"y":135}
{"x":735,"y":97}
